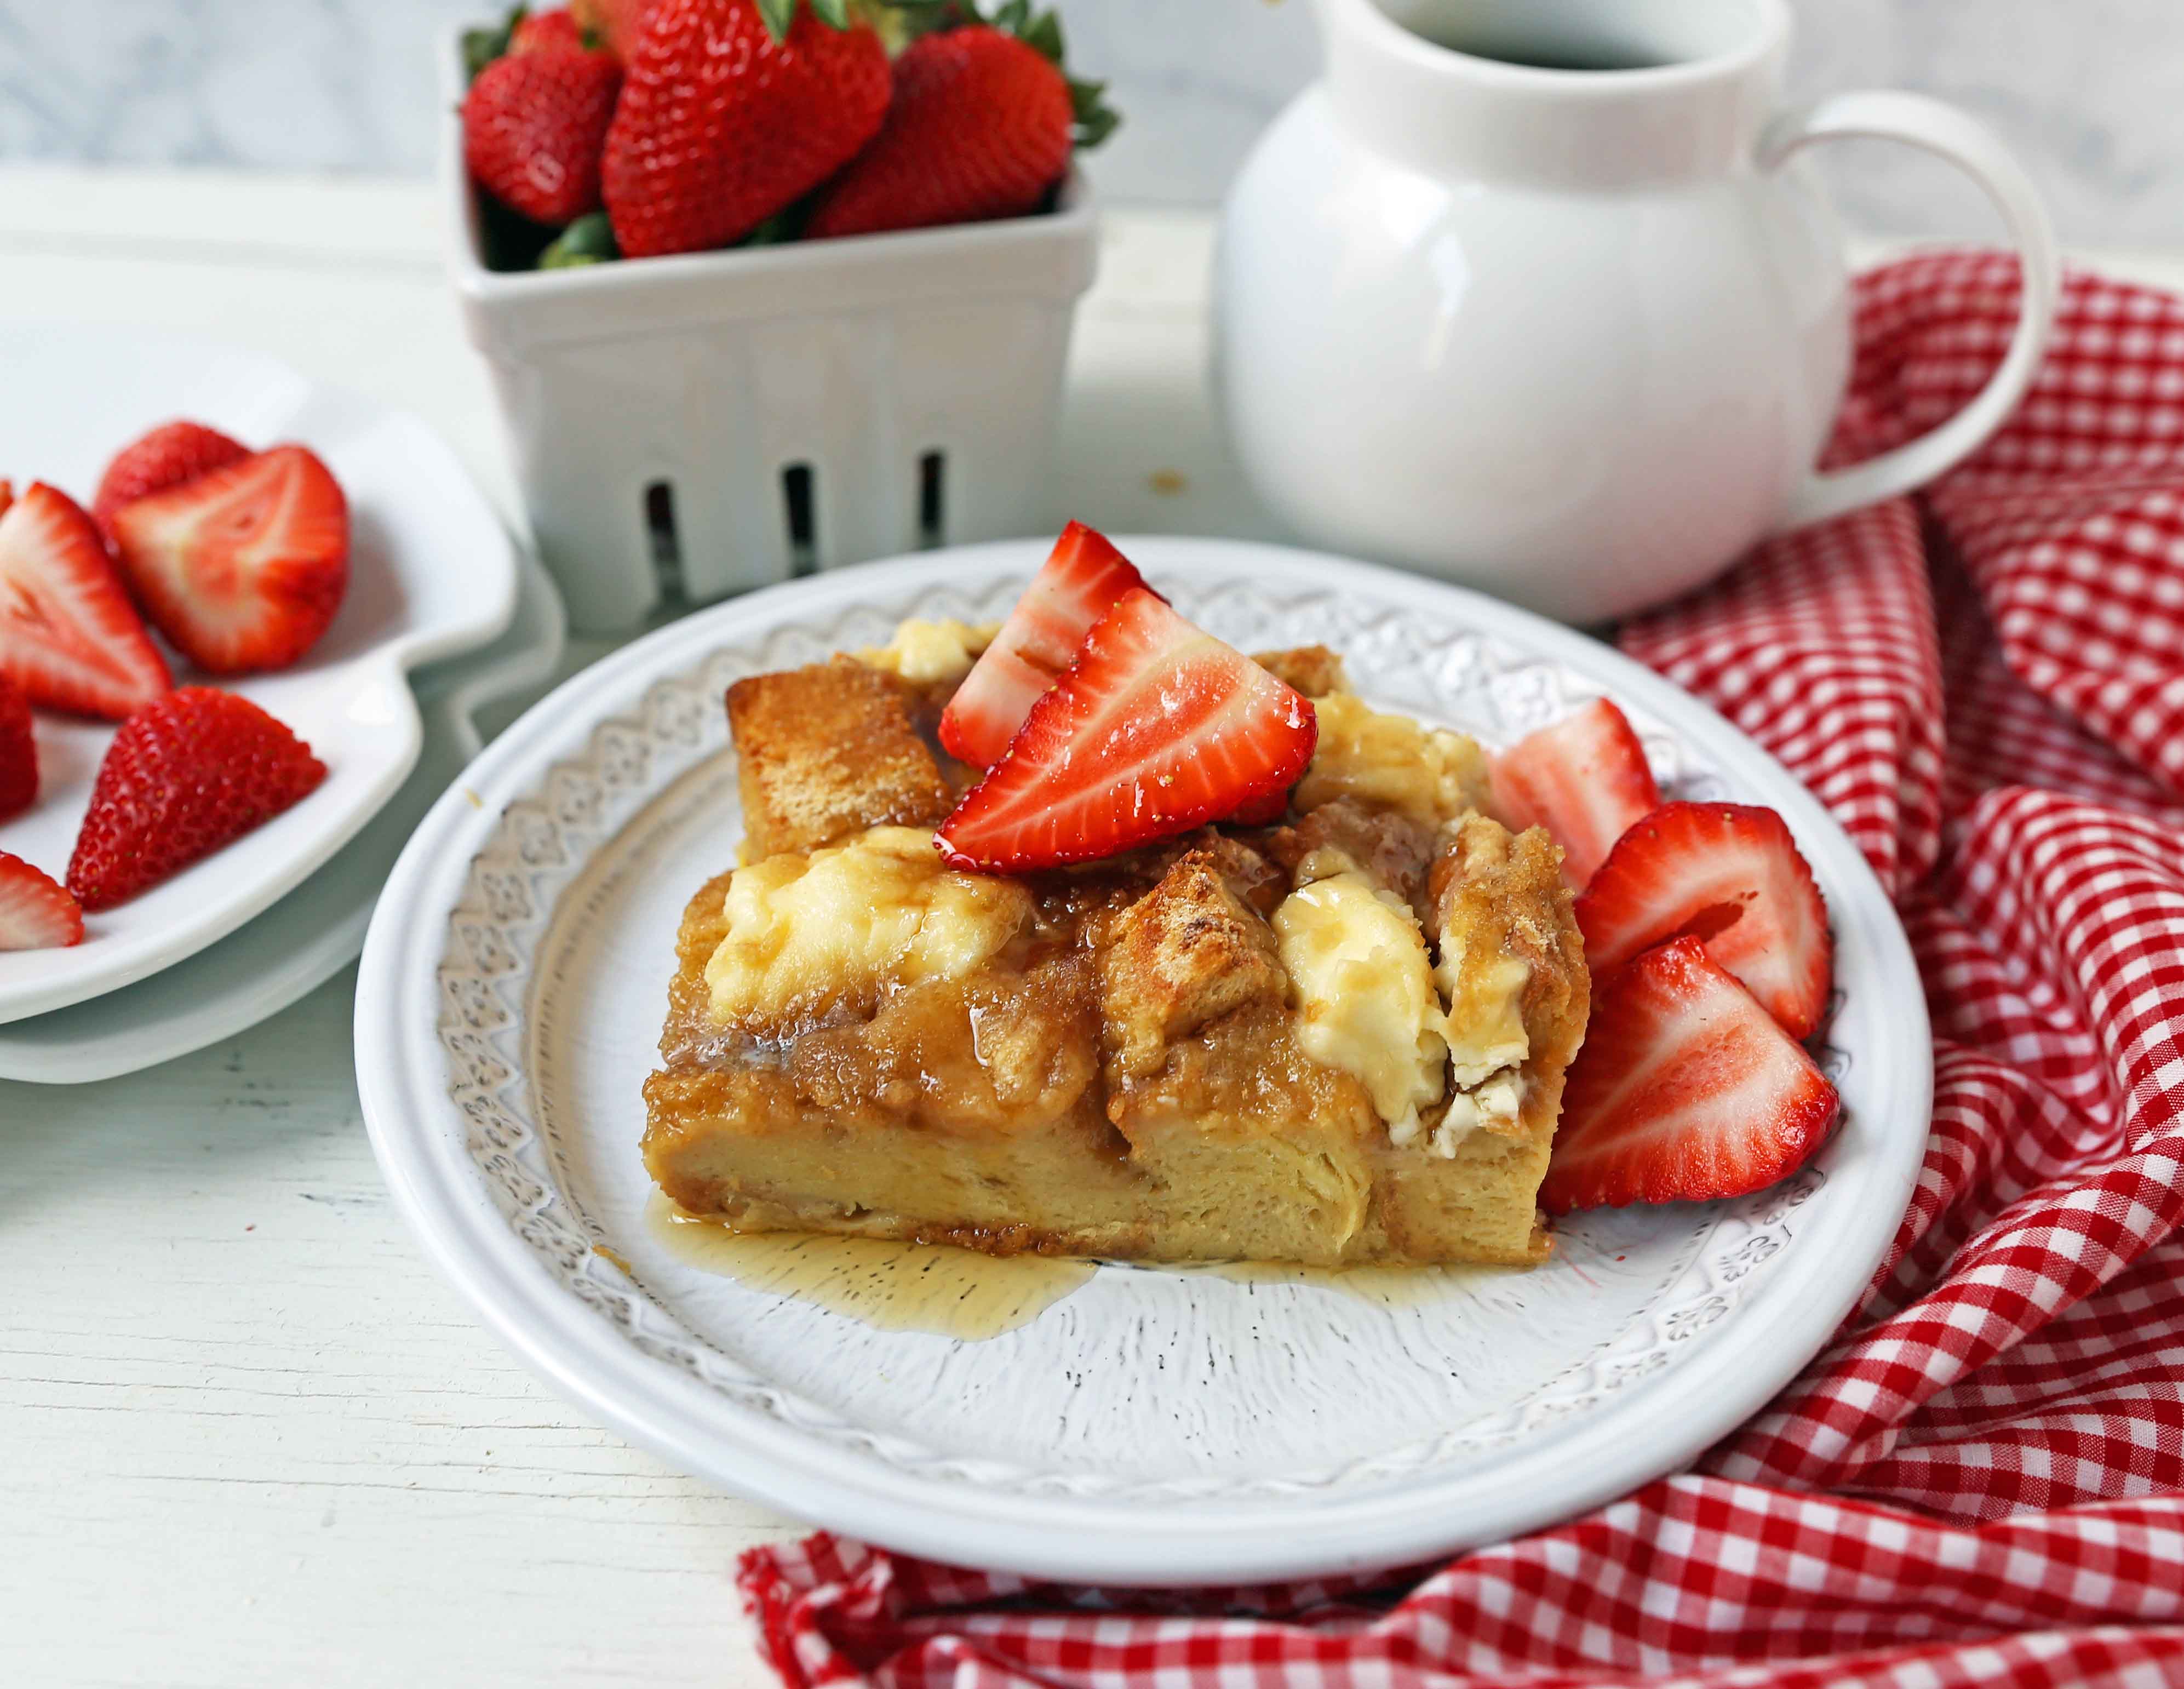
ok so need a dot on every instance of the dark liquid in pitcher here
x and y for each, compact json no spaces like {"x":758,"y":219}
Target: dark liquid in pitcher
{"x":1551,"y":55}
{"x":1576,"y":58}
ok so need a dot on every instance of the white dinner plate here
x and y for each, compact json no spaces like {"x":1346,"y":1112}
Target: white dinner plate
{"x":1154,"y":1427}
{"x":317,"y":929}
{"x":431,"y":573}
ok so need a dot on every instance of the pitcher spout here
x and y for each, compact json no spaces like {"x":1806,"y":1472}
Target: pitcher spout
{"x":1578,"y":94}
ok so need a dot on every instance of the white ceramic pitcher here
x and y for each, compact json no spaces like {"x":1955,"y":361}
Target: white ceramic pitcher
{"x":1574,"y":335}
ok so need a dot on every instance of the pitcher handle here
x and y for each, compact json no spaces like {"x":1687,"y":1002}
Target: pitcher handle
{"x":1949,"y":133}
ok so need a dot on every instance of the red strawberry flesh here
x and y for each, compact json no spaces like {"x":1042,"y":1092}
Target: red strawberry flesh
{"x":244,"y":568}
{"x":35,"y":913}
{"x":184,"y":777}
{"x":1685,"y":1090}
{"x":69,"y":636}
{"x":170,"y":454}
{"x":615,"y":23}
{"x":19,"y":751}
{"x":1730,"y":875}
{"x":1156,"y":728}
{"x":1584,"y":779}
{"x":1082,"y":578}
{"x":541,"y":30}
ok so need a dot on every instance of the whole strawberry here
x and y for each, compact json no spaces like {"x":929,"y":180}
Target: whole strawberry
{"x":534,"y":125}
{"x":170,"y":454}
{"x":979,"y":128}
{"x":982,"y":124}
{"x":721,"y":125}
{"x":183,"y":778}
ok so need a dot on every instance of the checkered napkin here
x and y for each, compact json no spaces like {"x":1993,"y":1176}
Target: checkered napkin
{"x":1980,"y":1479}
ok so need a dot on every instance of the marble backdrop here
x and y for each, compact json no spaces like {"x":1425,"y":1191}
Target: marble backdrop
{"x":2090,"y":92}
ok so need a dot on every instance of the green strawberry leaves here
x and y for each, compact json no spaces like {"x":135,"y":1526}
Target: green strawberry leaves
{"x":781,"y":15}
{"x":481,"y":46}
{"x":589,"y":239}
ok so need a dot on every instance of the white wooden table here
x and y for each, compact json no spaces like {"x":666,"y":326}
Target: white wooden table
{"x":246,"y":1436}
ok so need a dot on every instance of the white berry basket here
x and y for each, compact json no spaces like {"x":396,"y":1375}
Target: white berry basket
{"x":687,"y":427}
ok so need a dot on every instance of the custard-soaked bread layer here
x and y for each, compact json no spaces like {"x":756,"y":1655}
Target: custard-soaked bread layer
{"x":1109,"y":1063}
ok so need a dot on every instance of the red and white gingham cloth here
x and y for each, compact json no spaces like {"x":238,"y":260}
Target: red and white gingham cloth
{"x":1981,"y":1479}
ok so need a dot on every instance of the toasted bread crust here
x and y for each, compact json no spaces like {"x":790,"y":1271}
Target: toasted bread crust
{"x":1313,"y":670}
{"x":1190,"y":950}
{"x":1499,"y":895}
{"x":830,"y":750}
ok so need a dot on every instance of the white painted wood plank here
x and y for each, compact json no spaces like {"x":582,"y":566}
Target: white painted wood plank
{"x":251,"y":1438}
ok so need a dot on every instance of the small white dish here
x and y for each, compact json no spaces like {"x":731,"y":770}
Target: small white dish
{"x":1154,"y":1427}
{"x":433,"y":574}
{"x":317,"y":929}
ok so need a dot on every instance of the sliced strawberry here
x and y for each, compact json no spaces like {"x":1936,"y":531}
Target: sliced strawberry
{"x":184,"y":777}
{"x":19,"y":751}
{"x":35,"y":913}
{"x":69,"y":636}
{"x":1263,"y":811}
{"x":242,"y":568}
{"x":1728,"y":874}
{"x":170,"y":454}
{"x":6,"y":496}
{"x":1082,"y":575}
{"x":1685,"y":1090}
{"x":1584,"y":779}
{"x":1155,"y":728}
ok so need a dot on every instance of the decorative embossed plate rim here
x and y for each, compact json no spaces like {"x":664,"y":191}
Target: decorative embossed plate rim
{"x":446,"y":987}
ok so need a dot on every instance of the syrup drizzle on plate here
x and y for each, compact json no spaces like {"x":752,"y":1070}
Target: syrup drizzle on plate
{"x":891,"y":1287}
{"x":959,"y":1293}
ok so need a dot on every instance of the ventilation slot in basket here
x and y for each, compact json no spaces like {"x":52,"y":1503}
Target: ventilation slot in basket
{"x":932,"y":500}
{"x":796,"y":495}
{"x":666,"y":545}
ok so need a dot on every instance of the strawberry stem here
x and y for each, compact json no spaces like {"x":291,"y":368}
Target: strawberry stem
{"x":780,"y":15}
{"x":481,"y":46}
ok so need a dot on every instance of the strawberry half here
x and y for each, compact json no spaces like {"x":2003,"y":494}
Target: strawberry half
{"x":1081,"y":576}
{"x":170,"y":454}
{"x":1729,"y":875}
{"x":1584,"y":779}
{"x":19,"y":751}
{"x":1685,"y":1090}
{"x":183,"y":778}
{"x":1156,"y":728}
{"x":242,"y":568}
{"x":35,"y":913}
{"x":69,"y":636}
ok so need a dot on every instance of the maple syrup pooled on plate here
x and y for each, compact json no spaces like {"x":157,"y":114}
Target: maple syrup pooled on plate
{"x":959,"y":1293}
{"x":890,"y":1286}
